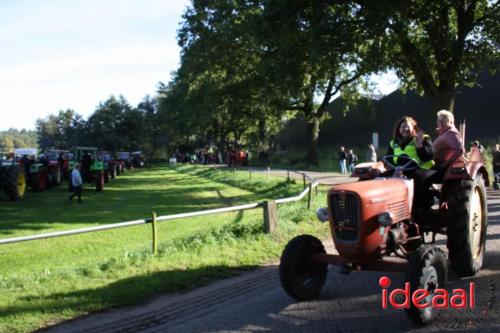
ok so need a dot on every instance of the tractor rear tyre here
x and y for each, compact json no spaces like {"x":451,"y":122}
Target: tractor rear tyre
{"x":302,"y":278}
{"x":467,"y":224}
{"x":428,"y":270}
{"x":15,"y":184}
{"x":99,"y":181}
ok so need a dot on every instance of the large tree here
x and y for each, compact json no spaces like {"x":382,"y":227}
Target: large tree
{"x":63,"y":130}
{"x":219,"y":78}
{"x":436,"y":46}
{"x":314,"y":50}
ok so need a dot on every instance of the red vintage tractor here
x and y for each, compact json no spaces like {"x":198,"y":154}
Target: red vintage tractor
{"x":373,"y":229}
{"x":124,"y":159}
{"x":238,"y":158}
{"x":35,"y":167}
{"x":111,"y":166}
{"x":55,"y":171}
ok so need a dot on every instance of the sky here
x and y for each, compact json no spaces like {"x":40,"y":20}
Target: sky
{"x":58,"y":55}
{"x":74,"y":54}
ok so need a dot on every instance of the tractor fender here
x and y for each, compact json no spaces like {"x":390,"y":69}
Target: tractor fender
{"x":467,"y":169}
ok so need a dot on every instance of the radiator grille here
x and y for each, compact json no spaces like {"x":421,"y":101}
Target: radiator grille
{"x":346,"y":215}
{"x":399,"y":210}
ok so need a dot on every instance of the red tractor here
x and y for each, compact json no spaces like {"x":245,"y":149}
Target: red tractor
{"x":55,"y":170}
{"x":124,"y":159}
{"x":238,"y":158}
{"x":111,"y":166}
{"x":35,"y":168}
{"x":373,"y":229}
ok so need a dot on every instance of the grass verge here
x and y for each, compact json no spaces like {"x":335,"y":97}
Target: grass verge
{"x":47,"y":281}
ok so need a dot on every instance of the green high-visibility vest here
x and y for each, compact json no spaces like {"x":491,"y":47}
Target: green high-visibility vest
{"x":410,"y":150}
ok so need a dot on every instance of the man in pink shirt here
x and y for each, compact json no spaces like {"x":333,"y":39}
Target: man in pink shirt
{"x":448,"y":146}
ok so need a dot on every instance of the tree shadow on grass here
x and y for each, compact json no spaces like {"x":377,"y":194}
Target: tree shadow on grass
{"x":132,"y":290}
{"x":120,"y":203}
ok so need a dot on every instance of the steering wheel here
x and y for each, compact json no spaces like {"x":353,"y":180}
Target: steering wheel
{"x":410,"y":165}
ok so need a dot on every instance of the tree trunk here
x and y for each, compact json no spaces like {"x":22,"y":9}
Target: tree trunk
{"x":313,"y":135}
{"x":444,"y":100}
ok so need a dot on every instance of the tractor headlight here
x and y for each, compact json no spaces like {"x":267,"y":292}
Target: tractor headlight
{"x":384,"y":219}
{"x":322,"y":214}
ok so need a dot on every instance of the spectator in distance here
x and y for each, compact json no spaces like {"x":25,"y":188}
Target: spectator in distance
{"x":76,"y":183}
{"x":342,"y":156}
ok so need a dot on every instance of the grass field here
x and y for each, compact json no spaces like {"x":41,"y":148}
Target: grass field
{"x":46,"y":281}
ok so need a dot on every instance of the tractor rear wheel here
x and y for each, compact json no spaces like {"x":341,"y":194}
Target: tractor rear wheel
{"x":302,"y":278}
{"x":467,"y":224}
{"x":15,"y":184}
{"x":428,"y":269}
{"x":99,"y":181}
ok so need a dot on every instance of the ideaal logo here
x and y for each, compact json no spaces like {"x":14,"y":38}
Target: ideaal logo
{"x":422,"y":298}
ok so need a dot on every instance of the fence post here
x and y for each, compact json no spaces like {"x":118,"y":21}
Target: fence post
{"x":317,"y":185}
{"x":155,"y":234}
{"x":268,"y":171}
{"x":288,"y":175}
{"x":304,"y":179}
{"x":270,"y":216}
{"x":309,"y":195}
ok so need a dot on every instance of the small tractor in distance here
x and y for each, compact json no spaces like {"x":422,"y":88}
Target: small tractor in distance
{"x":373,"y":228}
{"x":12,"y":178}
{"x":124,"y":161}
{"x":55,"y":170}
{"x":110,"y":165}
{"x":138,"y":159}
{"x":36,"y":171}
{"x":91,"y":169}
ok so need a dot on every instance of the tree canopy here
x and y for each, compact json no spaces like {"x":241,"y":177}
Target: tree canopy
{"x":248,"y":66}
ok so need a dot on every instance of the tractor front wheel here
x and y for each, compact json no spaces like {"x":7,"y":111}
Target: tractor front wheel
{"x":428,"y":269}
{"x":467,"y":224}
{"x":302,"y":278}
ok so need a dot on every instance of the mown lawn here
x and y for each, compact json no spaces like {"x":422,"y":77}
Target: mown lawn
{"x":46,"y":281}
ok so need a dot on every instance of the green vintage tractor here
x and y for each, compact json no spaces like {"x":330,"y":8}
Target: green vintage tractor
{"x":91,"y":168}
{"x":12,"y":179}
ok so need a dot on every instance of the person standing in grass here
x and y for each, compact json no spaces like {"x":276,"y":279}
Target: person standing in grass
{"x":342,"y":155}
{"x":76,"y":183}
{"x":352,"y":159}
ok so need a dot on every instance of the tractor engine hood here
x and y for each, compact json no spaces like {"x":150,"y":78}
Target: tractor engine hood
{"x":353,"y":210}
